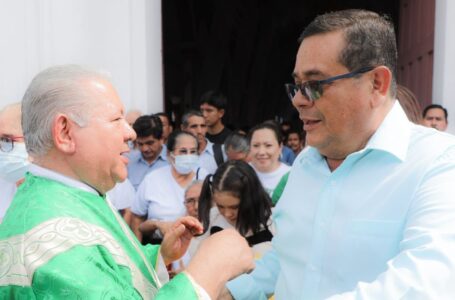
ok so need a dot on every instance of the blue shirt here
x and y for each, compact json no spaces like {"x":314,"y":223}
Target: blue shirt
{"x":287,"y":155}
{"x":207,"y":158}
{"x":138,"y":167}
{"x":381,"y":226}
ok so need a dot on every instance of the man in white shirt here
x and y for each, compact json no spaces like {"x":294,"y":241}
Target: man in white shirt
{"x":193,"y":122}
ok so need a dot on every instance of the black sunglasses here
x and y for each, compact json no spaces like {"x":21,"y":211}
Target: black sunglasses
{"x":312,"y":89}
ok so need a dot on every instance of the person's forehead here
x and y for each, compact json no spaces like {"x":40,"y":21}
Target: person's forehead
{"x":194,"y":190}
{"x":226,"y":197}
{"x":104,"y":97}
{"x":435,"y":111}
{"x":208,"y":106}
{"x":146,"y":139}
{"x":10,"y":124}
{"x":294,"y":136}
{"x":196,"y":120}
{"x":318,"y":56}
{"x":164,"y":120}
{"x":184,"y":141}
{"x":263,"y":134}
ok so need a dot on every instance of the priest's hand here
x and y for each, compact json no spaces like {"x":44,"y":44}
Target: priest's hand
{"x":219,"y":258}
{"x":178,"y":237}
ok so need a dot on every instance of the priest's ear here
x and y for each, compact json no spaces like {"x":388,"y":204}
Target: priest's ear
{"x":63,"y":133}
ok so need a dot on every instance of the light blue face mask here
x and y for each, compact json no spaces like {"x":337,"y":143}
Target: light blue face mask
{"x":14,"y":164}
{"x":184,"y":164}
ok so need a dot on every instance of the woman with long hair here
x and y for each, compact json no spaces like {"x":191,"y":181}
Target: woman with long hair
{"x":265,"y":150}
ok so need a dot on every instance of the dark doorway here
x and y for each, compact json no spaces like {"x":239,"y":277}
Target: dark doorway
{"x":245,"y":49}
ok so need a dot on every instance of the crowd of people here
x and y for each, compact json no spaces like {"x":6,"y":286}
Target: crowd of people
{"x":357,"y":205}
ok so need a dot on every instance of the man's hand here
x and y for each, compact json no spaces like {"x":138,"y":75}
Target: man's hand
{"x":221,"y":257}
{"x":178,"y":237}
{"x":164,"y":227}
{"x":225,"y":295}
{"x":148,"y":227}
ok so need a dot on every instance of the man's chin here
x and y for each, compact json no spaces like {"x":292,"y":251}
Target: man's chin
{"x":121,"y":176}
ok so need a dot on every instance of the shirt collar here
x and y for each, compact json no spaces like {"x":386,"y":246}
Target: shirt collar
{"x":50,"y":174}
{"x":162,"y":156}
{"x":393,"y":134}
{"x":208,"y":148}
{"x":392,"y":137}
{"x":163,"y":153}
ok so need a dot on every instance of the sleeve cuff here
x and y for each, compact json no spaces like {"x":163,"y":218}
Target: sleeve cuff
{"x":161,"y":269}
{"x":244,"y":287}
{"x":201,"y":293}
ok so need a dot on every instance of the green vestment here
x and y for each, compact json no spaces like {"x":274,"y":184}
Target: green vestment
{"x":60,"y":242}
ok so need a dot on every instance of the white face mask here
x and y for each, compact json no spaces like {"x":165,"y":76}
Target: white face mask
{"x":14,"y":164}
{"x":184,"y":164}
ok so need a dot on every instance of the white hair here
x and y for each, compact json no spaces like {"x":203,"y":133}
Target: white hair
{"x":193,"y":183}
{"x":58,"y":89}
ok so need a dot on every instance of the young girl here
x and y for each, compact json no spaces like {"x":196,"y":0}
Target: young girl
{"x":234,"y":197}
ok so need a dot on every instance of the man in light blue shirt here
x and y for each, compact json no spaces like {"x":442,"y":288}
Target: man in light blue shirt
{"x":369,"y":208}
{"x":151,"y":153}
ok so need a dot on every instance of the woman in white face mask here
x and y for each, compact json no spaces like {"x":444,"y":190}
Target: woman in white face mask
{"x":13,"y":165}
{"x":13,"y":156}
{"x":160,"y":196}
{"x":13,"y":159}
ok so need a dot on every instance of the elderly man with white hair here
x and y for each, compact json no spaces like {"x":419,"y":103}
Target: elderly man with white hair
{"x":60,"y":237}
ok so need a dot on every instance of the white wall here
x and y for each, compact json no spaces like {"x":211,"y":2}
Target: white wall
{"x":122,"y":37}
{"x":444,"y":59}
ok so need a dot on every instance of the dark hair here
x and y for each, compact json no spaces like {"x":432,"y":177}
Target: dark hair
{"x":431,"y":106}
{"x":174,"y":136}
{"x":271,"y":125}
{"x":370,"y":39}
{"x":214,"y":98}
{"x":240,"y":179}
{"x":163,"y":114}
{"x":294,"y":131}
{"x":148,"y":126}
{"x":189,"y":114}
{"x":409,"y":103}
{"x":237,"y":142}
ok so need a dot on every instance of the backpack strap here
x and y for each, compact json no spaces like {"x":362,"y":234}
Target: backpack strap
{"x":218,"y":154}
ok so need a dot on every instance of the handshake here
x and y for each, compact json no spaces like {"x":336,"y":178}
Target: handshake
{"x":219,"y":258}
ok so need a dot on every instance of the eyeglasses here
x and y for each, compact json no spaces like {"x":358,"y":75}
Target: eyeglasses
{"x":7,"y":143}
{"x":190,"y":201}
{"x":312,"y":89}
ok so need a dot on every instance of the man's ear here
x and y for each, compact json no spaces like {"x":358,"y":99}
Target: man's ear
{"x":382,"y":81}
{"x":63,"y":134}
{"x":221,"y":112}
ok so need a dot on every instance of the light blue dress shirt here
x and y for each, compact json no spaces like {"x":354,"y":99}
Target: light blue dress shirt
{"x":138,"y":167}
{"x":381,"y":226}
{"x":207,"y":158}
{"x":287,"y":155}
